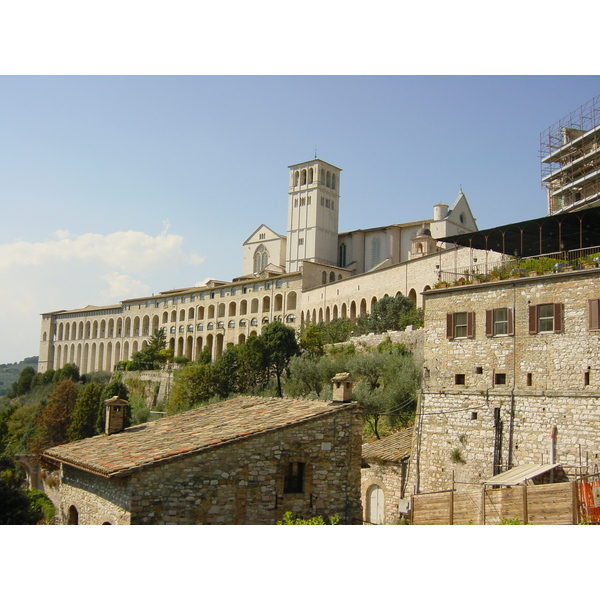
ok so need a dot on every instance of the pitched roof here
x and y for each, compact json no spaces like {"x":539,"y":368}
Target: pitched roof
{"x":393,"y":448}
{"x":188,"y":433}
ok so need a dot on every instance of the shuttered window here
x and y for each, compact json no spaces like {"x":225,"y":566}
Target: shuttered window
{"x":545,"y":318}
{"x":594,"y":314}
{"x":460,"y":325}
{"x":499,"y":321}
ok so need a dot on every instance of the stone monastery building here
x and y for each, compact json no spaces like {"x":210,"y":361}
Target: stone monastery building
{"x":313,"y":274}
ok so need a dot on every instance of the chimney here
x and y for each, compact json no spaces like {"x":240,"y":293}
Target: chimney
{"x":115,"y":415}
{"x":342,"y":387}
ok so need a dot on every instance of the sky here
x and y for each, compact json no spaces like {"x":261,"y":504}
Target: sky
{"x":114,"y":187}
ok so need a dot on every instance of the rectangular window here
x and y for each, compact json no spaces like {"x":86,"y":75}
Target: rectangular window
{"x":294,"y":478}
{"x":546,"y":318}
{"x":460,"y":325}
{"x":594,"y":315}
{"x":459,"y":379}
{"x":499,"y":321}
{"x":500,"y":379}
{"x":300,"y":241}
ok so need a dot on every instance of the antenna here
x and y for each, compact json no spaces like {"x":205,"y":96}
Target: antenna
{"x":315,"y":152}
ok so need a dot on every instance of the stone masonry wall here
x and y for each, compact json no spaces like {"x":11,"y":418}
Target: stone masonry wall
{"x":461,"y":424}
{"x":411,"y":338}
{"x":97,"y":499}
{"x":242,"y":483}
{"x":388,"y":476}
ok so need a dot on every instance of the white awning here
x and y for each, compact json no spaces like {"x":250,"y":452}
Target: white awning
{"x":519,"y":474}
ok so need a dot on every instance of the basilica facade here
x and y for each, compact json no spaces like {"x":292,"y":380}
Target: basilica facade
{"x":312,"y":274}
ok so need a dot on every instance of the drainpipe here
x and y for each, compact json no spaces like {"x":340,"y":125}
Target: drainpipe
{"x":514,"y":384}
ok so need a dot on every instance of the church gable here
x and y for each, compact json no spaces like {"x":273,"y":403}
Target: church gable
{"x":460,"y":213}
{"x":263,"y":234}
{"x":263,"y":248}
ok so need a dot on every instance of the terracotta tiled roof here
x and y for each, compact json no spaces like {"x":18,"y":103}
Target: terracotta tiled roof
{"x":393,"y":448}
{"x":193,"y":431}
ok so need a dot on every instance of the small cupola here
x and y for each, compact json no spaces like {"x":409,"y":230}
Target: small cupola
{"x":115,"y":415}
{"x":342,"y":387}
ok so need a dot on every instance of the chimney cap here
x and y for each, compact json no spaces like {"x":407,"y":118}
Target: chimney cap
{"x":342,"y":377}
{"x":116,"y":401}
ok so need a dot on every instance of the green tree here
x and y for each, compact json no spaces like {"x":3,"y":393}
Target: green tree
{"x":311,"y":341}
{"x":280,"y":345}
{"x":153,"y":354}
{"x":192,"y":385}
{"x":85,"y":414}
{"x":390,"y":314}
{"x":55,"y":417}
{"x":253,"y":364}
{"x":17,"y":506}
{"x":387,"y":385}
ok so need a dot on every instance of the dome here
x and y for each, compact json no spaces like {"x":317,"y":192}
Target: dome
{"x":424,"y":231}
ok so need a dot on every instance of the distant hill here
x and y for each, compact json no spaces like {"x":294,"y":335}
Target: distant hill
{"x":9,"y":373}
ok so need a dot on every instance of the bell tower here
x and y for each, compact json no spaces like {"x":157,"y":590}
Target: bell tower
{"x":313,"y":210}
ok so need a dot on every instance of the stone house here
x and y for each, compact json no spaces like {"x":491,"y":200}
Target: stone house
{"x":512,"y":368}
{"x":384,"y":478}
{"x":246,"y":460}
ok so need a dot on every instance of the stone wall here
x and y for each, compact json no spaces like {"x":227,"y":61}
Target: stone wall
{"x":411,"y":338}
{"x":98,"y":500}
{"x":543,"y":384}
{"x":237,"y":483}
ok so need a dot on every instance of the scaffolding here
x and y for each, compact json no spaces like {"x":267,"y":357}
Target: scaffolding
{"x":570,"y":159}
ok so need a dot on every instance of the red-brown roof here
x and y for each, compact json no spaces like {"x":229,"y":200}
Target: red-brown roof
{"x":190,"y":432}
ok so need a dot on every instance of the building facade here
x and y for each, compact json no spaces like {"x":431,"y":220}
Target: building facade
{"x":313,"y":274}
{"x":512,"y":377}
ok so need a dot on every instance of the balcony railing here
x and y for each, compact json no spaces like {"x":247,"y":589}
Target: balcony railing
{"x":513,"y":267}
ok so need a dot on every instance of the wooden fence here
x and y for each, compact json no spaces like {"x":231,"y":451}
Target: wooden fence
{"x":550,"y":504}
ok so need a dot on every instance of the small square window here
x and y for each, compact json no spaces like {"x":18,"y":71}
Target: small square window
{"x":294,"y":478}
{"x":459,"y":378}
{"x":500,"y":379}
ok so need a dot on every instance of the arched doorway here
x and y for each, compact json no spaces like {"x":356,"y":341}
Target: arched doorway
{"x":375,"y":503}
{"x":73,"y":517}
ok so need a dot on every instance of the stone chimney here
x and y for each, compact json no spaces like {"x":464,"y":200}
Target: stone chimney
{"x":115,"y":415}
{"x":342,"y":387}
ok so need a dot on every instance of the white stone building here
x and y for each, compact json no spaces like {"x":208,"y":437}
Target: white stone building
{"x":314,"y":273}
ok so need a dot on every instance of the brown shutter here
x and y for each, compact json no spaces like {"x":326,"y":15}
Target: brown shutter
{"x":470,"y":324}
{"x":450,"y":326}
{"x":594,"y":314}
{"x":533,"y":319}
{"x":511,"y":321}
{"x":558,"y":318}
{"x":489,"y":323}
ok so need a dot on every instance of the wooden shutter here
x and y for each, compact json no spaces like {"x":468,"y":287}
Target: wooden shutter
{"x":470,"y":324}
{"x":558,"y":318}
{"x":533,"y":319}
{"x":594,"y":314}
{"x":450,"y":326}
{"x":510,"y":317}
{"x":489,"y":323}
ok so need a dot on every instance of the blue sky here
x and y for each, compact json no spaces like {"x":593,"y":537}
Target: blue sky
{"x":114,"y":187}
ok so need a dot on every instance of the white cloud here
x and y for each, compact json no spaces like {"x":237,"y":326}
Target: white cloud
{"x":123,"y":286}
{"x":129,"y":251}
{"x":73,"y":271}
